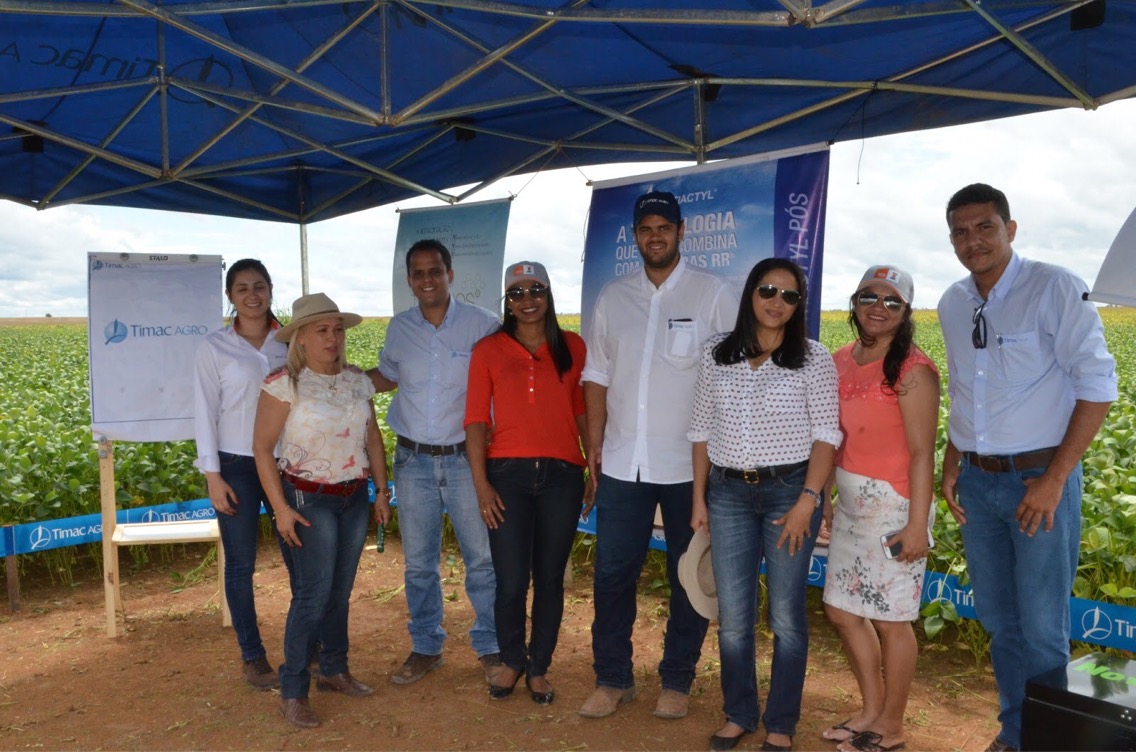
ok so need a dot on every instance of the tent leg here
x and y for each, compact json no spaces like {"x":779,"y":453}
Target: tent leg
{"x":304,"y":258}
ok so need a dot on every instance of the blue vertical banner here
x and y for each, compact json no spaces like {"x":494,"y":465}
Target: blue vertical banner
{"x":474,"y":233}
{"x":736,"y":212}
{"x":798,"y":221}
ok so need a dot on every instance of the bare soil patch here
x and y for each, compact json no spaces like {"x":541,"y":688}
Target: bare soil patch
{"x":173,"y":680}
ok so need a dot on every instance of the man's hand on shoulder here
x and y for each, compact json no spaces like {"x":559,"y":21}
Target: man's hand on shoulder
{"x":382,"y":383}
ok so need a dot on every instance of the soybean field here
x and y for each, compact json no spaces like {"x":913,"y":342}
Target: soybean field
{"x":49,"y":465}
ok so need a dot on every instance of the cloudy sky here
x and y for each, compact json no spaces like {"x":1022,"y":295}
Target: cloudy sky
{"x":1070,"y":177}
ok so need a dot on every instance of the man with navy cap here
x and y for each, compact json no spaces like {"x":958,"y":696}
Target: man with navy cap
{"x":643,"y":348}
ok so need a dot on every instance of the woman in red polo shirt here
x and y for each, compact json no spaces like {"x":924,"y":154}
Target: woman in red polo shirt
{"x":524,"y":419}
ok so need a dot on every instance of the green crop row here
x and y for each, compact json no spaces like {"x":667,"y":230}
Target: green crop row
{"x":48,"y":456}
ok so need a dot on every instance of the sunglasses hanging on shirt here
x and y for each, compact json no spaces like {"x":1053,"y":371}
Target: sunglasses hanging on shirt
{"x":978,"y":336}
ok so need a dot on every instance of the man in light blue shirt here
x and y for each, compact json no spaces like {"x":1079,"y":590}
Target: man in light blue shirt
{"x":1031,"y":381}
{"x":426,"y":356}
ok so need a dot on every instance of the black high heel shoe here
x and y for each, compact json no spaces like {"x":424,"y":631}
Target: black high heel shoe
{"x":540,"y":698}
{"x":497,"y":692}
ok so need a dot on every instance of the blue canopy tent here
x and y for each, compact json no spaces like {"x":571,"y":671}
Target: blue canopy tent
{"x":302,"y":110}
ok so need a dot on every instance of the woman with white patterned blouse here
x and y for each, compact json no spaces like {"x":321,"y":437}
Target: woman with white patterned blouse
{"x":318,"y":411}
{"x":765,"y":429}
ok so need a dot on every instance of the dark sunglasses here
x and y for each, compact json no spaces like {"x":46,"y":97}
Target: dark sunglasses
{"x":517,"y":294}
{"x":978,"y":336}
{"x":767,"y":292}
{"x":869,"y":299}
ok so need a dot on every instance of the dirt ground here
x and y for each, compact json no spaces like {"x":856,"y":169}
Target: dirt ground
{"x":173,"y":680}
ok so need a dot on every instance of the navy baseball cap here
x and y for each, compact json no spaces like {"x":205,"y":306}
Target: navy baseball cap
{"x":660,"y":203}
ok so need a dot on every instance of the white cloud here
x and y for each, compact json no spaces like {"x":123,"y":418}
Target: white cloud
{"x":1070,"y":177}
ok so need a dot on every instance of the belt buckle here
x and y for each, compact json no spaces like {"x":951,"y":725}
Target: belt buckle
{"x":992,"y":464}
{"x":751,"y":476}
{"x":437,"y":450}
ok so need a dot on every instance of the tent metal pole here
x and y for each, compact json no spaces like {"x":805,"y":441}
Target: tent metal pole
{"x":1033,"y":54}
{"x":312,"y":57}
{"x":562,"y":93}
{"x":489,"y":59}
{"x":699,"y":121}
{"x":303,"y":258}
{"x":242,"y":52}
{"x":77,"y":169}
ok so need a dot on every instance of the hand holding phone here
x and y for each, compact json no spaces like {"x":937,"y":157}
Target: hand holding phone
{"x":893,"y":550}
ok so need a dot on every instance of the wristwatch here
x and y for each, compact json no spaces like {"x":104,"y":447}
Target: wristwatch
{"x":816,"y":497}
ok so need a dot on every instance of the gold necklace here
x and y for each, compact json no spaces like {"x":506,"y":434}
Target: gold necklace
{"x":331,"y":385}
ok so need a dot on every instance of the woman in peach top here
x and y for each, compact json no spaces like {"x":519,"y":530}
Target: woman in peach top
{"x":889,"y":410}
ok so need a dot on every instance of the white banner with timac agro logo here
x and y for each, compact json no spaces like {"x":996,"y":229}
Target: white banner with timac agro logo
{"x":146,"y":316}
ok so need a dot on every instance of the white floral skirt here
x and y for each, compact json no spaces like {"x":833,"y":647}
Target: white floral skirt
{"x":860,"y":578}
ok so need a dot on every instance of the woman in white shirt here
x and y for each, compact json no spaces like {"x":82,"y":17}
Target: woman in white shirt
{"x":318,"y":413}
{"x":231,"y":365}
{"x":765,"y":428}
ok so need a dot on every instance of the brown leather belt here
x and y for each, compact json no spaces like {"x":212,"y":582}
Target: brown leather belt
{"x":763,"y":473}
{"x":346,"y":488}
{"x":1009,"y":463}
{"x":434,"y":450}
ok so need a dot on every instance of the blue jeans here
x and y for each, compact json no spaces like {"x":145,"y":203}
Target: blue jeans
{"x":542,"y":500}
{"x":240,"y":535}
{"x":1021,"y":584}
{"x":427,"y":486}
{"x":741,"y":533}
{"x":325,"y":564}
{"x":625,"y":513}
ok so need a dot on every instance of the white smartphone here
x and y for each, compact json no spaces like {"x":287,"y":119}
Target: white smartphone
{"x":893,"y":550}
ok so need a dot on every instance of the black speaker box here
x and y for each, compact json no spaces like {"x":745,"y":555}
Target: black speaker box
{"x":1088,"y":705}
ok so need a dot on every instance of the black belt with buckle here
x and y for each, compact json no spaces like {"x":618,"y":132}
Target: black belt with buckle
{"x":762,"y":473}
{"x":1009,"y":463}
{"x":434,"y":450}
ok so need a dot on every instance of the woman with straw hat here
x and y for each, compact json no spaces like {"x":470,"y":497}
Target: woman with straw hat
{"x":318,"y":411}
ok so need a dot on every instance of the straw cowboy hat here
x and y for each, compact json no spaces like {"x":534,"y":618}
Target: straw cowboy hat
{"x":309,"y":308}
{"x":696,"y":574}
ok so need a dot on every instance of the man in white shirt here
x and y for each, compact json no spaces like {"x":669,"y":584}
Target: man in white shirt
{"x":643,"y":348}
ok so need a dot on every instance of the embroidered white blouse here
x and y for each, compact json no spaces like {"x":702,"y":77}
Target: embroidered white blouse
{"x":325,"y":436}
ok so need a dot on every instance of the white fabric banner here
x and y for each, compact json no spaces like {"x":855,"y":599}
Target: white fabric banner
{"x":474,"y":233}
{"x":1116,"y":281}
{"x":146,"y":316}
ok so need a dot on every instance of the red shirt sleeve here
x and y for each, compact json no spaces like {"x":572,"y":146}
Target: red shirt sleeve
{"x":579,"y":354}
{"x":479,"y":387}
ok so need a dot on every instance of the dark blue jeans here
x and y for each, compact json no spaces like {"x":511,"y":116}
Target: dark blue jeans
{"x":325,"y":565}
{"x":1021,"y":584}
{"x":625,"y":513}
{"x":542,"y":500}
{"x":741,"y":534}
{"x":240,"y":535}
